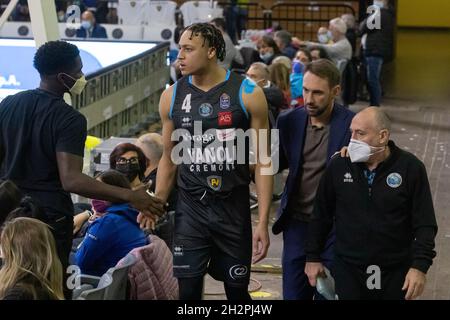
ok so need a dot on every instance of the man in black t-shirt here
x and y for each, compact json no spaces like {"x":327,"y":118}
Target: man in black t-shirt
{"x":42,"y":143}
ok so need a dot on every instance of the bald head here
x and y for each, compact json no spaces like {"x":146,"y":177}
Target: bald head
{"x":88,"y":16}
{"x":372,"y":126}
{"x":376,"y":117}
{"x":152,"y":146}
{"x":262,"y":68}
{"x":258,"y":72}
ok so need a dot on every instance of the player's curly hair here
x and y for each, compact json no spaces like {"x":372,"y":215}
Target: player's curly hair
{"x":55,"y":56}
{"x":211,"y":34}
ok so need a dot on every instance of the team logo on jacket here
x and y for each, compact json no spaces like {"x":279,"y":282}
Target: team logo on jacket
{"x":394,"y":180}
{"x":178,"y":250}
{"x":214,"y":182}
{"x":224,"y":101}
{"x":205,"y":110}
{"x":348,"y":177}
{"x":225,"y":118}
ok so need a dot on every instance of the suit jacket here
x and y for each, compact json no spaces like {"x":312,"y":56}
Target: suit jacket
{"x":97,"y":32}
{"x":292,"y":129}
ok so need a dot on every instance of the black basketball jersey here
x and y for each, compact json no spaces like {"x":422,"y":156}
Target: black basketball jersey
{"x":207,"y":127}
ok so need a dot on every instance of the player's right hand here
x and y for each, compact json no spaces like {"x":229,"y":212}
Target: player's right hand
{"x":147,"y":204}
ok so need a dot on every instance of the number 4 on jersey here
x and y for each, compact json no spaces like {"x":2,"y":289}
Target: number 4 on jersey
{"x":187,"y":104}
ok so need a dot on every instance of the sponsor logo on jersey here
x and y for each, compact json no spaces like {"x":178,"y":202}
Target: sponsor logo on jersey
{"x":238,"y":271}
{"x":224,"y":101}
{"x":394,"y":180}
{"x":210,"y":155}
{"x":226,"y":134}
{"x":214,"y":182}
{"x":205,"y":110}
{"x":204,"y":138}
{"x":225,"y":118}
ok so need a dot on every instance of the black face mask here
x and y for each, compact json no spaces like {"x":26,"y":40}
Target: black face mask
{"x":131,"y":170}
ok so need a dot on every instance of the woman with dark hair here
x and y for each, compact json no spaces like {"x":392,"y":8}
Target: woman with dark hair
{"x":80,"y":220}
{"x":319,"y":53}
{"x":10,"y":197}
{"x":12,"y":205}
{"x":303,"y":55}
{"x":268,"y":49}
{"x":27,"y":208}
{"x":129,"y":159}
{"x":112,"y":235}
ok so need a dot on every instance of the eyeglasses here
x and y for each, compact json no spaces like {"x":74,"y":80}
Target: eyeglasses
{"x":122,"y":160}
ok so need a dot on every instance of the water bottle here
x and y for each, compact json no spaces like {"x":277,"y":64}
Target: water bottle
{"x":243,"y":35}
{"x":325,"y":286}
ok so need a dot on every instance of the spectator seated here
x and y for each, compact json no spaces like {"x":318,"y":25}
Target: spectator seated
{"x":151,"y":277}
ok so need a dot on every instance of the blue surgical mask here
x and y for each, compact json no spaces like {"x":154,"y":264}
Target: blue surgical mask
{"x":323,"y":38}
{"x":86,"y":24}
{"x":378,"y":3}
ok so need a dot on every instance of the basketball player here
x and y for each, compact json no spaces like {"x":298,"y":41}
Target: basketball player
{"x":213,"y":231}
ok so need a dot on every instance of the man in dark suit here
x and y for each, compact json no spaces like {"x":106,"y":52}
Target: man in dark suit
{"x":89,"y":27}
{"x":309,"y":137}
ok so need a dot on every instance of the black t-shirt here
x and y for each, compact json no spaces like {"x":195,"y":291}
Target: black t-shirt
{"x":34,"y":126}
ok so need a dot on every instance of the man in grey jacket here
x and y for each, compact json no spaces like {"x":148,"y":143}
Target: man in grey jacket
{"x":340,"y":49}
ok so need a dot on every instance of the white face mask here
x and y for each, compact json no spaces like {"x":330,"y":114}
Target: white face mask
{"x":323,"y":38}
{"x":360,"y":151}
{"x":259,"y":81}
{"x":266,"y":56}
{"x":330,"y":35}
{"x":86,"y":24}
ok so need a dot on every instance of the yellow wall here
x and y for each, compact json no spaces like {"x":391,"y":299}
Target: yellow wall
{"x":420,"y":13}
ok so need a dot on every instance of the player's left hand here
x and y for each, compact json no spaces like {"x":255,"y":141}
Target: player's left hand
{"x":261,"y":242}
{"x":146,"y":222}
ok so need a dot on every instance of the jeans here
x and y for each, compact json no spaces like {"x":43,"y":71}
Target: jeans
{"x":373,"y":69}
